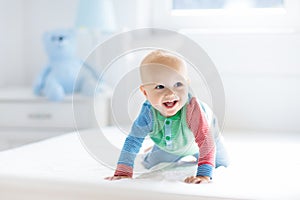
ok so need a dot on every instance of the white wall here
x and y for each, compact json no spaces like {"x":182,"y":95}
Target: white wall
{"x":261,"y":77}
{"x":261,"y":72}
{"x":11,"y":42}
{"x":41,"y":16}
{"x":23,"y":24}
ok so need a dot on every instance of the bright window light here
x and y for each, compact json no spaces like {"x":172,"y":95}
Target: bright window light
{"x":248,"y":16}
{"x":228,"y":7}
{"x":225,"y":4}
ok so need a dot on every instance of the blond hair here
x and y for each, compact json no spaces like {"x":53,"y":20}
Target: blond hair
{"x":162,"y":57}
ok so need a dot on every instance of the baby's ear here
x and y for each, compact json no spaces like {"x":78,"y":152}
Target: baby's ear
{"x":142,"y":89}
{"x":188,"y":81}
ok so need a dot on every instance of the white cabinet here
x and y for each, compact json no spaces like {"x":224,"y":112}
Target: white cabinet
{"x":25,"y":117}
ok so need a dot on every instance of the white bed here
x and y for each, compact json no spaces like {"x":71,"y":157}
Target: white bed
{"x":263,"y":166}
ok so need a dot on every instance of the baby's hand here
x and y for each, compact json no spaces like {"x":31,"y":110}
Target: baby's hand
{"x":112,"y":178}
{"x":197,"y":179}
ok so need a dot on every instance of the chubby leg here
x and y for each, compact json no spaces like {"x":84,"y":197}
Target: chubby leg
{"x":157,"y":156}
{"x":222,"y":158}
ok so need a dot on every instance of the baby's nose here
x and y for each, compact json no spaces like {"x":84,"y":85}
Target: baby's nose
{"x":169,"y":92}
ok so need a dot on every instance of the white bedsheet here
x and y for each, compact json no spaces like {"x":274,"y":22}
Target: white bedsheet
{"x":61,"y":168}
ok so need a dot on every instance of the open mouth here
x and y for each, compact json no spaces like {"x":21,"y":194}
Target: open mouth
{"x":170,"y":104}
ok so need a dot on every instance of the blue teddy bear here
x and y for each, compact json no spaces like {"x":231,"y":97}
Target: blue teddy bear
{"x":61,"y":76}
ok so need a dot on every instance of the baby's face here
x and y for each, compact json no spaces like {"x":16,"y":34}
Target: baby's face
{"x":166,"y":88}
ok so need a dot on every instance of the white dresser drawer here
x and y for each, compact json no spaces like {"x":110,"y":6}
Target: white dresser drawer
{"x":37,"y":112}
{"x":26,"y":114}
{"x":26,"y":118}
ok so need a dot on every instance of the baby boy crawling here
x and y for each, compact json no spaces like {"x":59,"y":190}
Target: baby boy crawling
{"x":178,"y":124}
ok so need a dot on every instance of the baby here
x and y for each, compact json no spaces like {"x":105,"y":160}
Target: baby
{"x":177,"y":123}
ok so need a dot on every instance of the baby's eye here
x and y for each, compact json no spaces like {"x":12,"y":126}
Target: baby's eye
{"x":159,"y":87}
{"x":178,"y":84}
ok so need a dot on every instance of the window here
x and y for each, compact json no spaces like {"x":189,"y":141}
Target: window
{"x":223,"y":4}
{"x":227,"y":14}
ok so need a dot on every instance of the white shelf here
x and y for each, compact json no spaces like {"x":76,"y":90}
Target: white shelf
{"x":21,"y":108}
{"x":25,"y":117}
{"x":26,"y":94}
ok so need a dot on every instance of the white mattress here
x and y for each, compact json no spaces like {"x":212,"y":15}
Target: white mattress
{"x":262,"y":167}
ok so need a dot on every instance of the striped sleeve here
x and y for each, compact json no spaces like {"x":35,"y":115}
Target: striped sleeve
{"x":198,"y":124}
{"x":139,"y":130}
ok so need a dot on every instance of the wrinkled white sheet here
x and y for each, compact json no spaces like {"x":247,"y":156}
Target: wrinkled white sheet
{"x":263,"y":166}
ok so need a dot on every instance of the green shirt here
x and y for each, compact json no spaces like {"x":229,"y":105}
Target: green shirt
{"x":172,"y":134}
